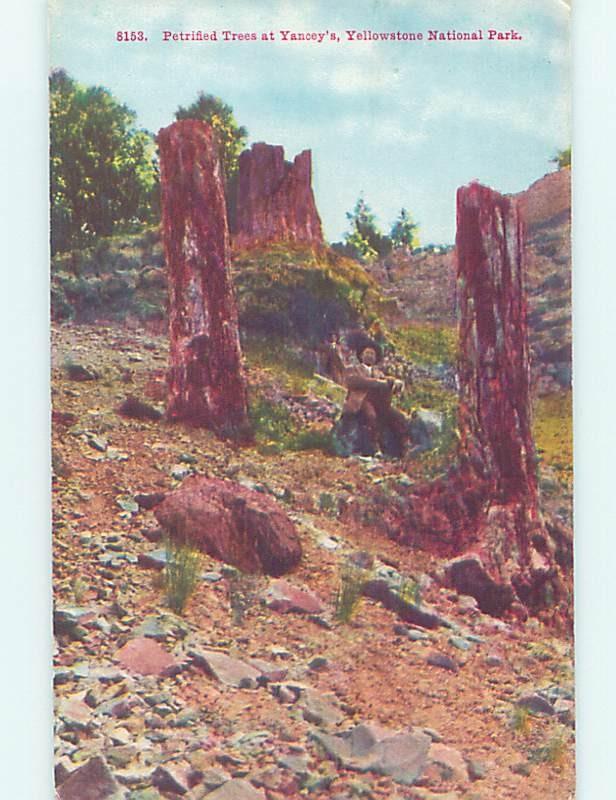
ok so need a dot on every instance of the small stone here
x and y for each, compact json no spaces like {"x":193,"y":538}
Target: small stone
{"x":416,"y":636}
{"x":434,"y":735}
{"x":459,"y":643}
{"x":229,"y":671}
{"x":120,"y":756}
{"x":211,"y":577}
{"x":298,"y":765}
{"x":318,"y":709}
{"x":493,"y":660}
{"x":523,"y":768}
{"x":536,"y":704}
{"x":74,"y":713}
{"x":318,"y":663}
{"x":98,"y":443}
{"x":437,"y":659}
{"x":213,"y":778}
{"x":145,"y":657}
{"x":449,"y":763}
{"x":477,"y":770}
{"x":283,"y":597}
{"x":92,"y":781}
{"x":171,"y":778}
{"x":154,"y":559}
{"x":236,"y":789}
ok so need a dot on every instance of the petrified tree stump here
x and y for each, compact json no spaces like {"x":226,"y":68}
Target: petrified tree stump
{"x":495,"y":404}
{"x":275,"y":202}
{"x":485,"y":511}
{"x":206,"y":385}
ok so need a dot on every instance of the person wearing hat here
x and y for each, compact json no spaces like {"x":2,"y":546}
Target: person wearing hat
{"x":368,"y":401}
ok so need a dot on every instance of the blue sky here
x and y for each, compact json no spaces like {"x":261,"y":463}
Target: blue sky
{"x":405,"y":123}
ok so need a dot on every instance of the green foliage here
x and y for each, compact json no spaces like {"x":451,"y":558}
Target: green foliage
{"x":563,"y":158}
{"x":271,"y":422}
{"x":405,"y":232}
{"x":365,"y":242}
{"x":520,"y":720}
{"x":294,"y":294}
{"x":103,"y":172}
{"x":553,"y":752}
{"x":348,"y":594}
{"x":426,"y":344}
{"x":409,"y":590}
{"x":277,"y":431}
{"x":116,"y":278}
{"x":230,"y":136}
{"x":80,"y":589}
{"x":182,"y":574}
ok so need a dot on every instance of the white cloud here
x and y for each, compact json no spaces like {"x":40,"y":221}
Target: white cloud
{"x":535,"y":119}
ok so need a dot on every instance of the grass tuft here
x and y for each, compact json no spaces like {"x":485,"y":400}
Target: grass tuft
{"x":348,"y":594}
{"x":182,"y":574}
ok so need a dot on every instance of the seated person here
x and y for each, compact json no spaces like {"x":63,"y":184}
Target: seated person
{"x":367,"y":415}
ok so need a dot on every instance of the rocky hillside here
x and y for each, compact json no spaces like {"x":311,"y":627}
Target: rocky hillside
{"x":265,"y":687}
{"x":547,"y":210}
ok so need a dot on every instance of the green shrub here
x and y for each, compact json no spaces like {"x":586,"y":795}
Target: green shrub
{"x":409,"y":590}
{"x":293,"y":293}
{"x":553,"y":752}
{"x":348,"y":594}
{"x":520,"y":720}
{"x":182,"y":574}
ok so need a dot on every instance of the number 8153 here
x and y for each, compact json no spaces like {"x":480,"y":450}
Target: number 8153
{"x":130,"y":36}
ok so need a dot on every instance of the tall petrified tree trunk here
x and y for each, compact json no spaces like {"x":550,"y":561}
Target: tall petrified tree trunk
{"x":485,"y":510}
{"x":510,"y":541}
{"x":493,"y":362}
{"x":205,"y":380}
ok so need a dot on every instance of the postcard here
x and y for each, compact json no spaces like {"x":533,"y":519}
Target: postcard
{"x":311,"y":400}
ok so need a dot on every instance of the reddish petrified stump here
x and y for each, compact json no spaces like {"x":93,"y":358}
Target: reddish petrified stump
{"x":275,"y":202}
{"x":206,"y":385}
{"x":486,"y":509}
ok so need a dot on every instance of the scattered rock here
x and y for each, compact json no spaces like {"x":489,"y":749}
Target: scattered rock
{"x":319,"y":709}
{"x":523,"y":768}
{"x":477,"y":770}
{"x":234,"y":524}
{"x":77,"y":372}
{"x":367,"y":747}
{"x":236,"y":789}
{"x":229,"y":671}
{"x":154,"y":559}
{"x":74,"y":712}
{"x":172,"y":778}
{"x":468,"y":576}
{"x":283,"y":597}
{"x":387,"y":593}
{"x":537,"y":704}
{"x":134,"y":408}
{"x":161,"y":627}
{"x":298,"y":765}
{"x":445,"y":764}
{"x":459,"y":643}
{"x":437,"y":659}
{"x":143,"y":656}
{"x":93,"y":781}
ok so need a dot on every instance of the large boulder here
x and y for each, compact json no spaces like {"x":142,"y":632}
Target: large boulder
{"x":237,"y":525}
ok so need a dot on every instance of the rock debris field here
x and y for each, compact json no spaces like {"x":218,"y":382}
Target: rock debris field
{"x":259,"y":689}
